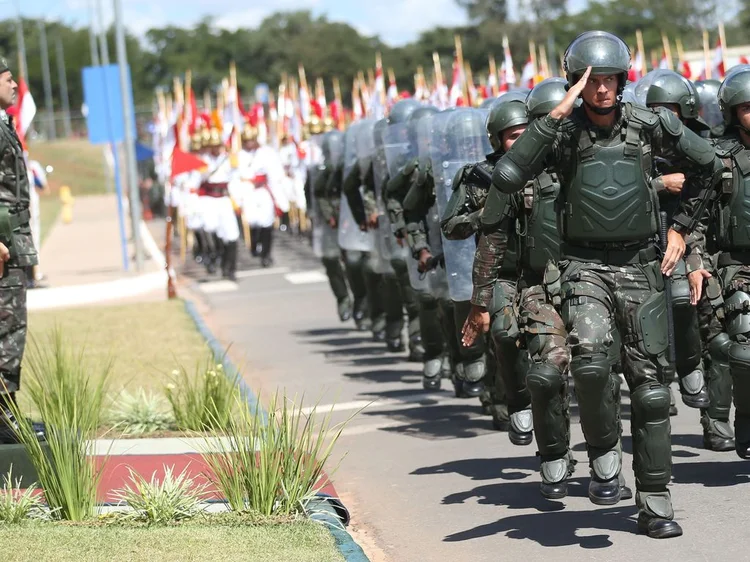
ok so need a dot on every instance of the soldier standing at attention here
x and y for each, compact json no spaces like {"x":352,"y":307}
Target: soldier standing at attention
{"x":17,"y":253}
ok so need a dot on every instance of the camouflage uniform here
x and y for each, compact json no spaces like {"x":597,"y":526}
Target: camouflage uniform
{"x":15,"y":233}
{"x":612,"y":270}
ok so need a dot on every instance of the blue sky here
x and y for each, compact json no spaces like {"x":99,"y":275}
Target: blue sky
{"x":395,"y":21}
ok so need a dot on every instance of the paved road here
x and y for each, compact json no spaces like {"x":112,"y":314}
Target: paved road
{"x":424,"y":474}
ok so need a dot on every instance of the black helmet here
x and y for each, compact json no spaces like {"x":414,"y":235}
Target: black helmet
{"x":486,"y":104}
{"x":669,"y":87}
{"x":603,"y":52}
{"x":546,"y":96}
{"x":401,"y":110}
{"x":734,"y":91}
{"x":504,"y":115}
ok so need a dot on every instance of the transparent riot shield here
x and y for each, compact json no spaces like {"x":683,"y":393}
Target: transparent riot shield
{"x":398,"y":149}
{"x":457,"y":139}
{"x":708,"y":93}
{"x":350,"y":235}
{"x":325,"y":238}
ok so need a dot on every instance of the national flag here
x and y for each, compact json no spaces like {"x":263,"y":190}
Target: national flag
{"x":23,"y":111}
{"x":527,"y":74}
{"x":456,"y":91}
{"x":717,"y":64}
{"x":509,"y":74}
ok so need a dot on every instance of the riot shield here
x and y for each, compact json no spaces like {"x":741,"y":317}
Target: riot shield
{"x":457,"y":139}
{"x":398,"y":149}
{"x":325,"y":239}
{"x":708,"y":93}
{"x":350,"y":236}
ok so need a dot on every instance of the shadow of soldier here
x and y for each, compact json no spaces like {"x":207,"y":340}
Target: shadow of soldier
{"x":558,"y":528}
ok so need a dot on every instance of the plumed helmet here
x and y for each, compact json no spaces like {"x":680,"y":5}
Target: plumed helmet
{"x":545,"y":96}
{"x":604,"y":52}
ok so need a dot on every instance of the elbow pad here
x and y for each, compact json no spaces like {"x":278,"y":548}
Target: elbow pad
{"x":696,"y":149}
{"x":496,"y":209}
{"x":525,"y":159}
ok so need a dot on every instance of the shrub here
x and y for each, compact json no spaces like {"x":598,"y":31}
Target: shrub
{"x":141,"y":412}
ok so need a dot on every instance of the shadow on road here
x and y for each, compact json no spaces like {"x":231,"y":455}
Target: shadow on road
{"x":712,"y":474}
{"x":441,"y":421}
{"x":385,"y":375}
{"x":508,"y":468}
{"x":558,"y":528}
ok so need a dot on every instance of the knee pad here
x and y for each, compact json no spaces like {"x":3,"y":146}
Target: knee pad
{"x":590,"y":372}
{"x":544,"y":380}
{"x":737,"y":322}
{"x":504,"y":327}
{"x":718,"y":348}
{"x":652,"y":448}
{"x":739,"y":367}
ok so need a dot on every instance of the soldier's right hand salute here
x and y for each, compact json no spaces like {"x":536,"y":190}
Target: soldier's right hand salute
{"x":565,"y":107}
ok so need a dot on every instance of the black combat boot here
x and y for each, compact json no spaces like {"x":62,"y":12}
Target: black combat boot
{"x":717,"y":434}
{"x":555,"y":475}
{"x":229,"y":261}
{"x":9,"y":425}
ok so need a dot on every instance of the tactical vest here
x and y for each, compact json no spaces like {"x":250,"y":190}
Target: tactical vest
{"x":733,"y":228}
{"x":510,"y":261}
{"x":538,"y":228}
{"x":609,"y":197}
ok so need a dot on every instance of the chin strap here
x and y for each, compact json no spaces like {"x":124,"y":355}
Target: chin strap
{"x":601,"y":110}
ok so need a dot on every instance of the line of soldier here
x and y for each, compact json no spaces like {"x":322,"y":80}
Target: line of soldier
{"x":245,"y":196}
{"x":604,"y":214}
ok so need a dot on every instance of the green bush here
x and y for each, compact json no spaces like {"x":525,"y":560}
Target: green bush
{"x":272,"y":466}
{"x":173,"y":498}
{"x":69,"y":399}
{"x":141,"y":412}
{"x":204,"y":399}
{"x":17,"y":504}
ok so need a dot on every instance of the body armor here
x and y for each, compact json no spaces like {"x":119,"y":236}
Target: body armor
{"x":609,"y":198}
{"x":540,"y":237}
{"x":733,"y":225}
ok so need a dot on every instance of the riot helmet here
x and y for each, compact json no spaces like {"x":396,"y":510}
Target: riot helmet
{"x":401,"y":110}
{"x":504,"y":115}
{"x":486,"y":104}
{"x":604,"y":52}
{"x":333,"y":147}
{"x":669,"y":87}
{"x":708,"y":94}
{"x":734,"y":91}
{"x":545,"y":96}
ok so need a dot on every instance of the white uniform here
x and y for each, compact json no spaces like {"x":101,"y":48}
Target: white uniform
{"x":268,"y":193}
{"x":296,"y":173}
{"x":218,"y":213}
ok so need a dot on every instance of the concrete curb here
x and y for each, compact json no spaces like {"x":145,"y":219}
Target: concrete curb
{"x":324,"y":510}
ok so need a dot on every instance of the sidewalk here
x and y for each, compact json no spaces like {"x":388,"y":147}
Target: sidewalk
{"x":82,"y":261}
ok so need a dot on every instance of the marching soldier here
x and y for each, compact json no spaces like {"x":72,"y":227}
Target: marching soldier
{"x":730,"y":325}
{"x":610,"y":262}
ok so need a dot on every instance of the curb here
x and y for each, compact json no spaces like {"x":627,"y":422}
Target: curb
{"x":324,"y":509}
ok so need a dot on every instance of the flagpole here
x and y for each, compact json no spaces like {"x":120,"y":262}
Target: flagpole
{"x":667,"y":51}
{"x":496,"y":78}
{"x":723,"y":40}
{"x":641,"y":50}
{"x":706,"y":55}
{"x":461,"y":68}
{"x":62,"y":77}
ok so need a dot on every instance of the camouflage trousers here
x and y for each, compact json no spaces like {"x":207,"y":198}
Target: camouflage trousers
{"x":633,"y":295}
{"x":12,"y":328}
{"x":725,"y":320}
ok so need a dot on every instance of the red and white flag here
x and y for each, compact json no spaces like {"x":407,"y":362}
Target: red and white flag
{"x":24,"y":111}
{"x":527,"y":74}
{"x":456,"y":92}
{"x":508,"y":74}
{"x":717,"y":64}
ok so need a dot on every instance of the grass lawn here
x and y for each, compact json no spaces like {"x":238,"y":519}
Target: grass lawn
{"x":147,"y":340}
{"x":77,"y":164}
{"x":49,"y":209}
{"x":302,"y":541}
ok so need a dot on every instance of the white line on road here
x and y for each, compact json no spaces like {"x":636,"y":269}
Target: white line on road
{"x":261,"y":272}
{"x":305,"y":277}
{"x":213,"y":287}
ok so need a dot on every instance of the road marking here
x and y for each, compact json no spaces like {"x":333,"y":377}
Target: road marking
{"x":261,"y":272}
{"x":368,"y":405}
{"x":213,"y":287}
{"x":306,"y":277}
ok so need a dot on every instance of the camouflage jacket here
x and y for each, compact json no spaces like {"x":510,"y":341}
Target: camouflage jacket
{"x":471,"y":186}
{"x":14,"y":195}
{"x":417,"y":205}
{"x":395,"y":192}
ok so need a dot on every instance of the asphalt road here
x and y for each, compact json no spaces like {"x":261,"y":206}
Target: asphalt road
{"x":426,"y":477}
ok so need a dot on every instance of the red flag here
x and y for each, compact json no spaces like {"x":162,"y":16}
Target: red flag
{"x":183,"y":162}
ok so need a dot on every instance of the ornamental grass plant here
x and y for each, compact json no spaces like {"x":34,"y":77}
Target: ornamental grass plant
{"x":68,"y":395}
{"x":272,"y":463}
{"x":204,"y":398}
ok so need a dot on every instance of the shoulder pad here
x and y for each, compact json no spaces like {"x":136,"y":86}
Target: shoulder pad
{"x":645,"y":115}
{"x":461,"y":176}
{"x":669,"y":121}
{"x":409,"y":167}
{"x":726,"y":146}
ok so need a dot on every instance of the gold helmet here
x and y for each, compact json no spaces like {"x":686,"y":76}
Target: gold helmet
{"x":328,"y":124}
{"x":214,"y":138}
{"x":205,"y":138}
{"x":249,"y":133}
{"x":316,"y":127}
{"x":196,"y":141}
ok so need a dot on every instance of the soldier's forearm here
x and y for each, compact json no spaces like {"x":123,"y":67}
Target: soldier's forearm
{"x":488,"y":259}
{"x":462,"y":226}
{"x":417,"y":238}
{"x":702,"y":192}
{"x":526,"y":157}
